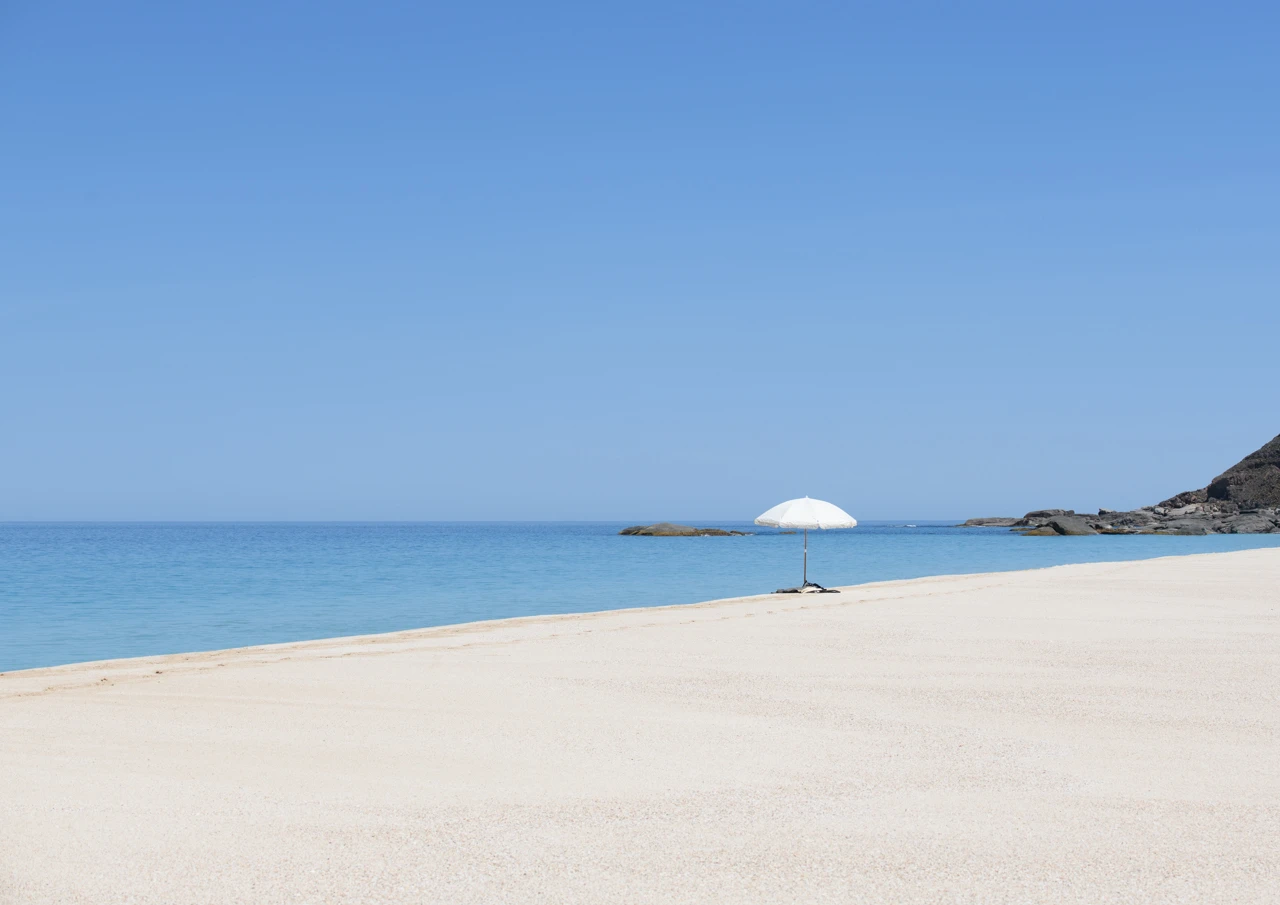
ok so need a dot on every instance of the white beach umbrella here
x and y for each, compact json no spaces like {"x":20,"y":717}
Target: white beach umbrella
{"x":805,"y":514}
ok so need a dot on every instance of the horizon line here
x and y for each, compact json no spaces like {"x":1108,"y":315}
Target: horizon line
{"x":495,"y":521}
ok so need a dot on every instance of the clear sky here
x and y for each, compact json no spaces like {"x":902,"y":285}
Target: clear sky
{"x":315,"y":260}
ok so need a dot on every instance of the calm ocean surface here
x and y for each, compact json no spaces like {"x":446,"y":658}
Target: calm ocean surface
{"x":73,"y":592}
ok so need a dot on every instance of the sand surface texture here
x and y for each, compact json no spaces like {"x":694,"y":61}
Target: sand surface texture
{"x":1092,"y":734}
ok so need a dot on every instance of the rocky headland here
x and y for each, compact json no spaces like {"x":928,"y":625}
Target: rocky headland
{"x":1244,"y":499}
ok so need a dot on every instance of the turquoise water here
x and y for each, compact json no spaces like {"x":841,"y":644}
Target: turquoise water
{"x":73,"y":592}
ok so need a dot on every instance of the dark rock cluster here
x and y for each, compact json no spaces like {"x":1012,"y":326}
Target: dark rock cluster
{"x":1252,"y":483}
{"x":1194,"y":518}
{"x":667,"y":529}
{"x":1244,"y":499}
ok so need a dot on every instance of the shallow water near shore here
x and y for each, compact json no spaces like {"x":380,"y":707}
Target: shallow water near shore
{"x":75,"y":592}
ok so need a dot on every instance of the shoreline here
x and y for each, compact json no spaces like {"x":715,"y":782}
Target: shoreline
{"x":426,"y":632}
{"x":148,"y":661}
{"x":407,"y":639}
{"x":205,"y":591}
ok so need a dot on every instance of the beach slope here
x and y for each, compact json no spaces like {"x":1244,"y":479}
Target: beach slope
{"x":1091,"y":733}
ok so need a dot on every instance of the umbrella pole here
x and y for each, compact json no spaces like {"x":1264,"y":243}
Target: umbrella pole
{"x":806,"y":557}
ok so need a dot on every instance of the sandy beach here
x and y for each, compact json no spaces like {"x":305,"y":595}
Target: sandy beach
{"x":1090,"y":733}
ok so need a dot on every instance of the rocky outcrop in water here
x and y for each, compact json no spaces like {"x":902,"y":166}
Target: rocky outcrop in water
{"x":1244,"y":499}
{"x":1191,"y":519}
{"x":668,"y":529}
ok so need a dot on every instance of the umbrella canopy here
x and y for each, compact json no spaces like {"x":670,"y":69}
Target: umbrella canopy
{"x":808,"y":514}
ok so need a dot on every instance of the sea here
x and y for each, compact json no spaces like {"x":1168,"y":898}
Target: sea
{"x":92,"y":591}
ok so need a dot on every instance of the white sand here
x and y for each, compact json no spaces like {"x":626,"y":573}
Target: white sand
{"x":1098,"y":733}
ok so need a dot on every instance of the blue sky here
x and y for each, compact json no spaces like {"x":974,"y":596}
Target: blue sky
{"x":518,"y":261}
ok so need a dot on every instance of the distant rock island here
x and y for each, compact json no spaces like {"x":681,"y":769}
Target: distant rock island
{"x":1244,"y":499}
{"x":667,"y":529}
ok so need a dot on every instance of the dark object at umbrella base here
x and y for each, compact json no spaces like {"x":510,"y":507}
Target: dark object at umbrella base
{"x":808,"y":587}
